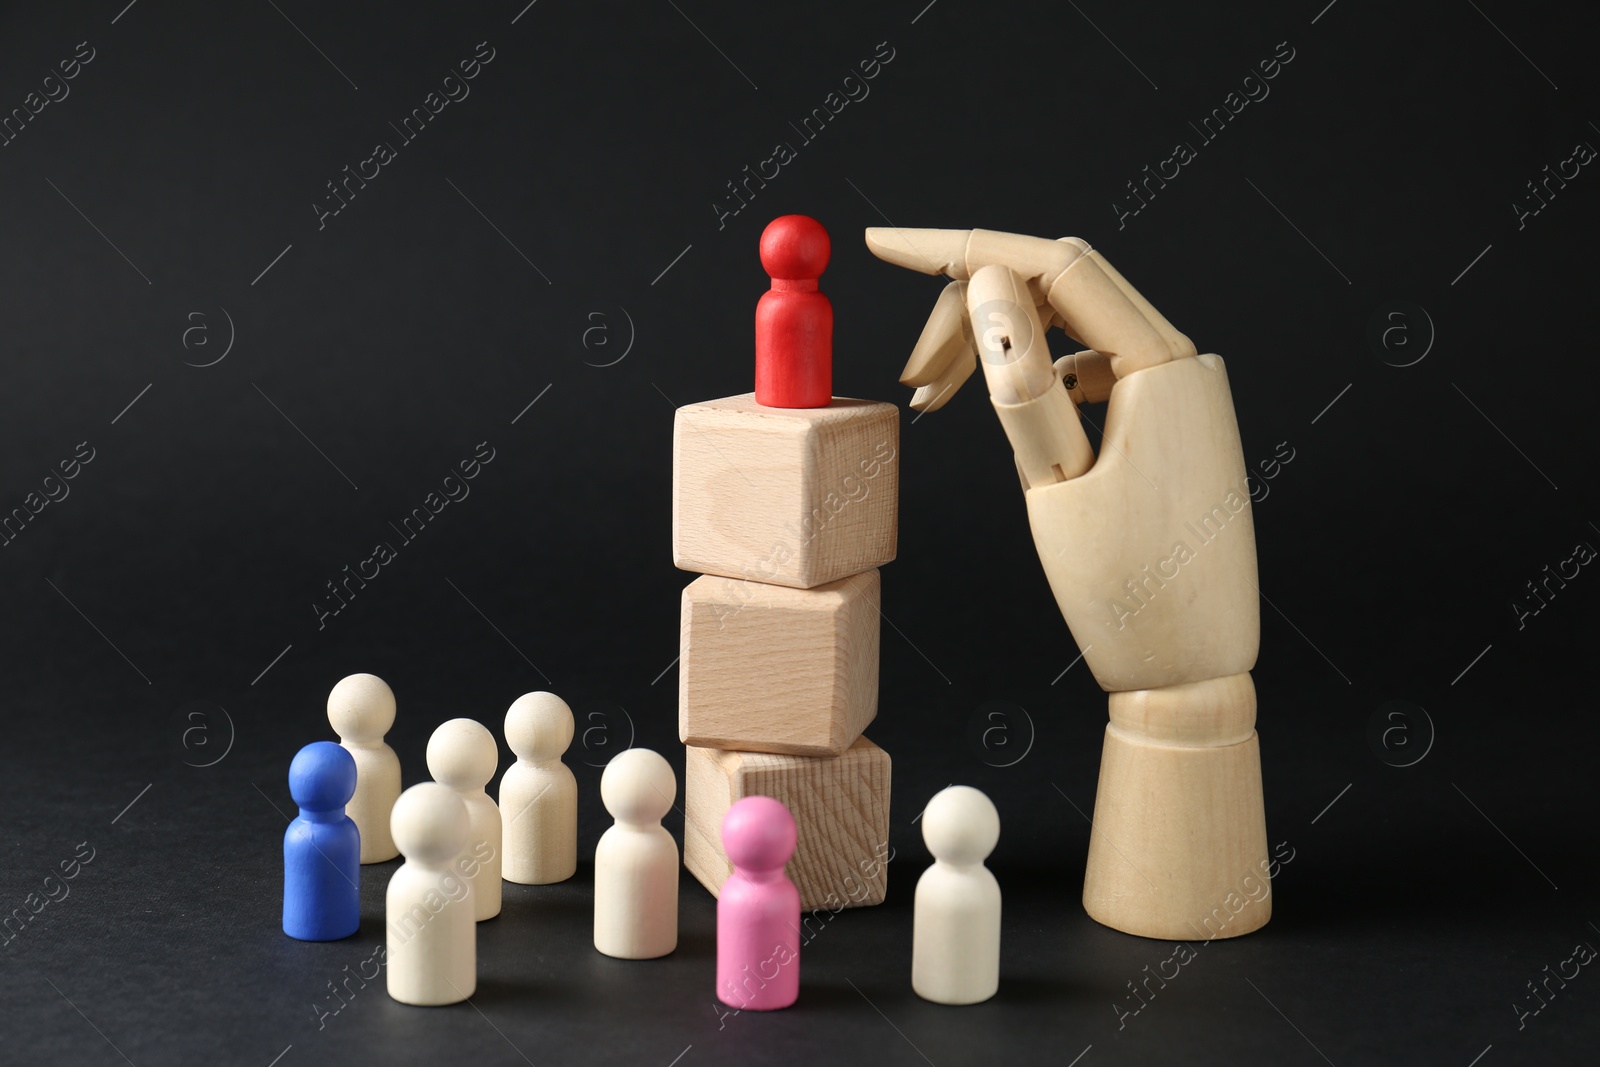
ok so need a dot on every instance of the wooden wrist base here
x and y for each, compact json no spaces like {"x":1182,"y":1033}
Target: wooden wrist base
{"x":1178,"y":850}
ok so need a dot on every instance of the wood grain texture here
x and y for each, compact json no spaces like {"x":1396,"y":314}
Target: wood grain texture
{"x":1047,"y":438}
{"x":1152,"y":553}
{"x":1218,"y":711}
{"x":1179,"y":845}
{"x":1097,"y":307}
{"x":840,"y":806}
{"x":771,"y":669}
{"x":797,"y":497}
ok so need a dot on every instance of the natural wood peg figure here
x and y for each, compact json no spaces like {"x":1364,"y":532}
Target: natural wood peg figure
{"x":361,"y":712}
{"x":538,"y":793}
{"x":955,"y":940}
{"x":432,"y":939}
{"x":636,"y":861}
{"x":1149,"y":549}
{"x":462,"y":754}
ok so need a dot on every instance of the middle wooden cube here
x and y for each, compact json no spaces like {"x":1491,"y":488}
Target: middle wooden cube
{"x":764,"y":668}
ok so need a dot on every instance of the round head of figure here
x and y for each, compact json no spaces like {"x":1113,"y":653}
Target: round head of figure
{"x":758,"y":834}
{"x":795,"y":247}
{"x":539,"y":726}
{"x":960,"y":825}
{"x":462,"y":754}
{"x":638,"y":786}
{"x":361,"y":708}
{"x":429,"y":823}
{"x":322,"y":777}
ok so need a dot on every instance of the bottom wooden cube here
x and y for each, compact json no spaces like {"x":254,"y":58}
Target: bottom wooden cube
{"x":770,"y":669}
{"x":840,"y":806}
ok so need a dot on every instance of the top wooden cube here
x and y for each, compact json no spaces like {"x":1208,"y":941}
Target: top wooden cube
{"x":786,"y":496}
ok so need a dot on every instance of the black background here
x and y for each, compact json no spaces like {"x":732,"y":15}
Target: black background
{"x":173,"y":588}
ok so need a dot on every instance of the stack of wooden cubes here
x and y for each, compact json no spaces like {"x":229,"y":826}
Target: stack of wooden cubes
{"x":787,"y":513}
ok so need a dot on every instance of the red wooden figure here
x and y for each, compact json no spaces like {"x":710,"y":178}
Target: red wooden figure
{"x":794,"y":322}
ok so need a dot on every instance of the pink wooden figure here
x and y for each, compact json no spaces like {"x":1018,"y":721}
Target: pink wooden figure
{"x":758,"y":912}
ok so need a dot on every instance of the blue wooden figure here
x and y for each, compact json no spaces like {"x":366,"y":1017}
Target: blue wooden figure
{"x":322,"y":847}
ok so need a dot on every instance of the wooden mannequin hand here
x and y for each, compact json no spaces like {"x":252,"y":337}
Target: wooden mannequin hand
{"x":1150,"y":550}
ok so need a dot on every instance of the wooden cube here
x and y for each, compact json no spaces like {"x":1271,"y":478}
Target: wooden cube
{"x":788,"y":496}
{"x":840,"y":806}
{"x":771,"y":669}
